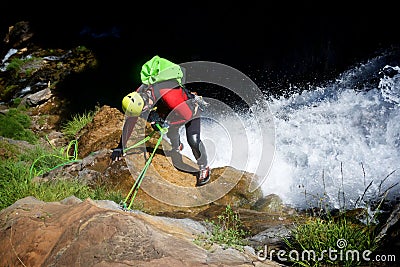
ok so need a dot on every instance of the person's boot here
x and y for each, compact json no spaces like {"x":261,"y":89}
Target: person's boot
{"x":203,"y":176}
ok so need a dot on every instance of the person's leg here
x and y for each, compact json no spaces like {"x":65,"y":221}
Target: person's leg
{"x":176,"y":148}
{"x":198,"y":149}
{"x":173,"y":135}
{"x":193,"y":138}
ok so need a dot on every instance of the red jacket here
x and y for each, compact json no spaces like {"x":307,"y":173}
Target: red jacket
{"x":167,"y":97}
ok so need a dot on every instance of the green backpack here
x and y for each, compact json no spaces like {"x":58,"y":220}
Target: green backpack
{"x":160,"y":69}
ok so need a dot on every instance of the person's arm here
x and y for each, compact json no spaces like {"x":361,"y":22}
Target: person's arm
{"x":127,"y":130}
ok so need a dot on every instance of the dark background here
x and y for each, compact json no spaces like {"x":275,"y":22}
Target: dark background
{"x":274,"y":43}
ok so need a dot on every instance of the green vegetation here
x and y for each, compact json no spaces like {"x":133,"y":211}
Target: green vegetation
{"x":16,"y":102}
{"x":16,"y":180}
{"x":42,"y":120}
{"x":27,"y":65}
{"x":8,"y":91}
{"x":7,"y":150}
{"x":82,"y":48}
{"x":78,"y":121}
{"x":227,"y":232}
{"x":17,"y":169}
{"x":15,"y":64}
{"x":15,"y":125}
{"x":321,"y":236}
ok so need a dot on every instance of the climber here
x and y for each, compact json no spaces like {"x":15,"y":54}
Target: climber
{"x":164,"y":102}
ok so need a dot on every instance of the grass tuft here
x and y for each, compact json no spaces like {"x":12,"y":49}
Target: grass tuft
{"x":227,"y":232}
{"x":78,"y":121}
{"x":315,"y":239}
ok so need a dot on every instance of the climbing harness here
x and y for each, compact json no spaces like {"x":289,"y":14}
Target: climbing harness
{"x":135,"y":188}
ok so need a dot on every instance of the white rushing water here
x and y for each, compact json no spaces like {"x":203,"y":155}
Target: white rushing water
{"x":330,"y":142}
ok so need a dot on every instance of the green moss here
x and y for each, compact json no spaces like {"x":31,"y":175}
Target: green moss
{"x":7,"y":150}
{"x":15,"y":64}
{"x":15,"y":125}
{"x":8,"y":92}
{"x":43,"y":119}
{"x":16,"y":101}
{"x":29,"y":71}
{"x":81,"y":48}
{"x":26,"y":66}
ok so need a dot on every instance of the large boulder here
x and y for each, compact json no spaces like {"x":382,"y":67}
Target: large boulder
{"x":98,"y":233}
{"x":103,"y":132}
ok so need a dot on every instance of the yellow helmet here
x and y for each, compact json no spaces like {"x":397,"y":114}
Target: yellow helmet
{"x":132,"y":104}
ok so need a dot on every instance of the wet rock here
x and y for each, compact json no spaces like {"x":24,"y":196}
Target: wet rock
{"x":270,"y":203}
{"x":389,"y":232}
{"x":239,"y":196}
{"x":272,"y":237}
{"x":39,"y":97}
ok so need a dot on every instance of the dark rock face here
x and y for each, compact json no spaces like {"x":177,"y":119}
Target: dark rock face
{"x":18,"y":35}
{"x":27,"y":68}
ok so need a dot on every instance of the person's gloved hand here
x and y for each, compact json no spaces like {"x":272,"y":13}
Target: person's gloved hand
{"x":117,"y":154}
{"x":155,"y":125}
{"x":156,"y":121}
{"x":162,"y":128}
{"x":201,"y":103}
